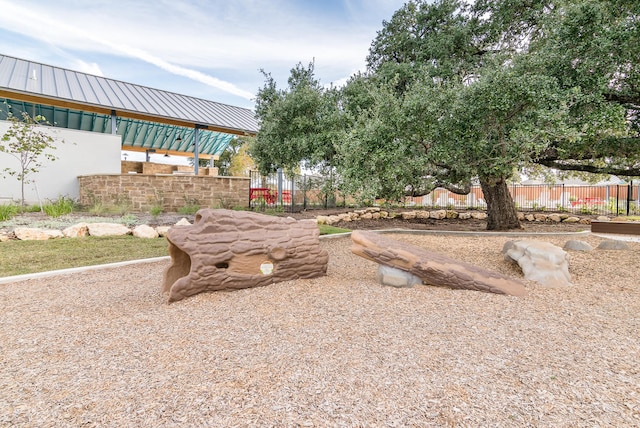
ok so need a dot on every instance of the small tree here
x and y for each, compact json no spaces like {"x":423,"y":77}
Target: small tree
{"x":29,"y":145}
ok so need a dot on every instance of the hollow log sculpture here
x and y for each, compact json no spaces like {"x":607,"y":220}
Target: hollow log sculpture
{"x":227,"y":249}
{"x":432,"y":268}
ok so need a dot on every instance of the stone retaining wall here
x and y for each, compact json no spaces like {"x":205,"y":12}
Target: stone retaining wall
{"x":142,"y":192}
{"x":378,"y":213}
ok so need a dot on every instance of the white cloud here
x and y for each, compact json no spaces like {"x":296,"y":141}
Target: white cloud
{"x":213,"y":42}
{"x":87,"y":67}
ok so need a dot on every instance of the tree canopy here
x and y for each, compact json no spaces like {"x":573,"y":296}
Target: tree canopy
{"x":456,"y":92}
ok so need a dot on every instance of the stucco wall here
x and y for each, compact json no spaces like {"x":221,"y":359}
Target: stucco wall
{"x":78,"y":153}
{"x":140,"y":192}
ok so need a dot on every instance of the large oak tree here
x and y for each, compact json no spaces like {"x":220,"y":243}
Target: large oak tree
{"x":457,"y":92}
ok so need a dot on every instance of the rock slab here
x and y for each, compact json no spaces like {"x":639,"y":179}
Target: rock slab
{"x":226,"y":250}
{"x":432,"y":268}
{"x":542,"y":262}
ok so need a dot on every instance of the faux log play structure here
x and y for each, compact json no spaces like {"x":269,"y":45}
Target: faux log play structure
{"x":227,"y":249}
{"x":433,"y":268}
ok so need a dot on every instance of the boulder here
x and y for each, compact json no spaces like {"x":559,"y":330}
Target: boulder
{"x":438,"y":215}
{"x":408,"y":215}
{"x":322,"y":219}
{"x":162,"y":230}
{"x":226,"y":250}
{"x":422,"y":214}
{"x":575,"y":245}
{"x":571,"y":219}
{"x":183,"y":222}
{"x":529,"y":217}
{"x":603,"y":218}
{"x":4,"y":237}
{"x":452,"y":214}
{"x":479,"y":216}
{"x":107,"y":229}
{"x":464,"y":215}
{"x":432,"y":268}
{"x":612,"y":244}
{"x":145,"y":231}
{"x":556,"y":218}
{"x":31,"y":234}
{"x":540,"y":217}
{"x":396,"y":277}
{"x":78,"y":230}
{"x":542,"y":262}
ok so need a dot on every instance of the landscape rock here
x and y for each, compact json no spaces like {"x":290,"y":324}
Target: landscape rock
{"x":183,"y":222}
{"x":393,"y":277}
{"x":479,"y":215}
{"x":438,"y":215}
{"x":452,"y":214}
{"x":542,"y":262}
{"x":432,"y":268}
{"x":464,"y":215}
{"x":612,"y":244}
{"x":54,"y":233}
{"x":162,"y":230}
{"x":78,"y":230}
{"x":577,"y":245}
{"x":554,"y":217}
{"x":603,"y":218}
{"x":408,"y":215}
{"x":322,"y":219}
{"x":540,"y":217}
{"x":226,"y":250}
{"x":4,"y":237}
{"x":31,"y":234}
{"x":529,"y":217}
{"x":145,"y":231}
{"x":423,"y":214}
{"x":571,"y":219}
{"x":107,"y":229}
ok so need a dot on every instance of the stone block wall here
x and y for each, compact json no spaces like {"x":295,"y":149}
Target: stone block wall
{"x":142,"y":191}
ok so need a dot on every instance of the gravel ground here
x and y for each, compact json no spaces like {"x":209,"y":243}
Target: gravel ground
{"x":102,"y":348}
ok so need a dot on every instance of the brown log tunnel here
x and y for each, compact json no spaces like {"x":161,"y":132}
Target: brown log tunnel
{"x":226,"y":250}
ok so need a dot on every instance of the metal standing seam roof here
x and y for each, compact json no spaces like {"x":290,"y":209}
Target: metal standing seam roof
{"x":41,"y":84}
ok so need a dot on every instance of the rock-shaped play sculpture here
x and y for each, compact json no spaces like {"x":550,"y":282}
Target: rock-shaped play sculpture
{"x":225,"y":250}
{"x":542,"y":262}
{"x":432,"y":268}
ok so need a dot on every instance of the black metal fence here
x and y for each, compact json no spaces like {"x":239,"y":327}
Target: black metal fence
{"x":292,"y":192}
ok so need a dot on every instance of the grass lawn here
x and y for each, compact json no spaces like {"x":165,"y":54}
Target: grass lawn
{"x":22,"y":257}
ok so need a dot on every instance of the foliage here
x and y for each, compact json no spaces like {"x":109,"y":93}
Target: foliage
{"x":190,"y":207}
{"x":62,"y":206}
{"x":461,"y":91}
{"x":8,"y":211}
{"x":29,"y":145}
{"x":235,"y":160}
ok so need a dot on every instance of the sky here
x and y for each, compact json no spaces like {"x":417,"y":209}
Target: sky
{"x":211,"y":49}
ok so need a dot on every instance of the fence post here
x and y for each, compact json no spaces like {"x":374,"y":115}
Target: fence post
{"x":279,"y":201}
{"x":617,"y":198}
{"x":304,"y":192}
{"x":629,"y":190}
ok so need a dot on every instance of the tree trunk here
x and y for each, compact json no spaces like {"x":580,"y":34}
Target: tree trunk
{"x":501,"y":211}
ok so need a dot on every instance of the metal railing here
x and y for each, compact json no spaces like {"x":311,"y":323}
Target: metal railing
{"x":293,"y":192}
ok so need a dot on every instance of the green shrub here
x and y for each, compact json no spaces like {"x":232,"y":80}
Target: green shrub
{"x":191,"y":206}
{"x":62,"y":206}
{"x":8,"y":211}
{"x":156,"y":210}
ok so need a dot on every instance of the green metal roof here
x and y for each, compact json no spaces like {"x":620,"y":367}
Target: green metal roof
{"x":135,"y":133}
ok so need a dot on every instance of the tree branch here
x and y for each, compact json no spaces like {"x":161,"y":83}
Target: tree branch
{"x":625,"y":172}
